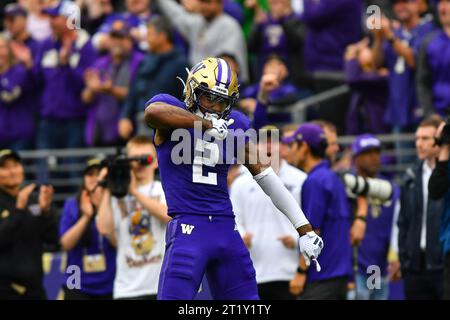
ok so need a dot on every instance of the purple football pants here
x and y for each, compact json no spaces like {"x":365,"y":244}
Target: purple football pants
{"x":196,"y":245}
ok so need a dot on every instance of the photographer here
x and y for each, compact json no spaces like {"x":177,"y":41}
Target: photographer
{"x":94,"y":254}
{"x":438,"y":187}
{"x":137,"y":222}
{"x":377,"y":222}
{"x":27,"y":221}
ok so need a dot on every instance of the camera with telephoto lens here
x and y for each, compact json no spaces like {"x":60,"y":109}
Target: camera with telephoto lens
{"x":445,"y":135}
{"x":119,"y":172}
{"x":373,"y":188}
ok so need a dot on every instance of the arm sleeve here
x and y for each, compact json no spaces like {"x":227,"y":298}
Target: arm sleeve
{"x":181,"y":19}
{"x":281,"y":197}
{"x":402,"y":226}
{"x":424,"y":80}
{"x":438,"y":184}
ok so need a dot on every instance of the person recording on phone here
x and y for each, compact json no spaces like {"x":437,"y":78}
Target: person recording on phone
{"x":94,"y":254}
{"x":438,"y":188}
{"x":27,"y":222}
{"x":137,"y":222}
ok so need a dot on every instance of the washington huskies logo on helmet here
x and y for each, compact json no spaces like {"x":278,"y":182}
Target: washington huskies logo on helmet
{"x":214,"y":78}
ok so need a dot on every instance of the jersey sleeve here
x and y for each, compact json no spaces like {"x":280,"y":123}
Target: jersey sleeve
{"x":166,"y":98}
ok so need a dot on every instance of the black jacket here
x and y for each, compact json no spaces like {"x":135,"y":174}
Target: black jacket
{"x":410,"y":224}
{"x":22,"y":236}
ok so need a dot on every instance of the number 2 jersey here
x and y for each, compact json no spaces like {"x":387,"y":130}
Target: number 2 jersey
{"x":198,"y":185}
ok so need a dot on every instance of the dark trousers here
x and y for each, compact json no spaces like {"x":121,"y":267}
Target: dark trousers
{"x":447,"y":277}
{"x":275,"y":290}
{"x":423,"y":285}
{"x":330,"y":289}
{"x":74,"y":294}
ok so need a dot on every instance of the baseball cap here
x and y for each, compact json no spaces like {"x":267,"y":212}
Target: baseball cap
{"x":6,"y":154}
{"x":119,"y":28}
{"x":62,"y":8}
{"x":310,"y":133}
{"x":93,"y":163}
{"x":364,"y":143}
{"x":14,"y":9}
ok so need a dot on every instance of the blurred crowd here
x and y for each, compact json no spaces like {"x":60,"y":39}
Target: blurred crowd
{"x":77,"y":74}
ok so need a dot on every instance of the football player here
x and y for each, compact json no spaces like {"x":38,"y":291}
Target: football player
{"x":202,"y":238}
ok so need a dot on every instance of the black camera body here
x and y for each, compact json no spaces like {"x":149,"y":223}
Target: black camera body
{"x":119,"y":173}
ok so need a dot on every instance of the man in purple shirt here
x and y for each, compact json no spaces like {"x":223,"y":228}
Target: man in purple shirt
{"x":62,"y":60}
{"x":433,"y":70}
{"x":397,"y":48}
{"x":202,"y":236}
{"x":325,"y":202}
{"x":332,"y":25}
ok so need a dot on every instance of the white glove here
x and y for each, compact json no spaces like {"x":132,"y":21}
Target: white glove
{"x":310,"y":246}
{"x":219,"y":128}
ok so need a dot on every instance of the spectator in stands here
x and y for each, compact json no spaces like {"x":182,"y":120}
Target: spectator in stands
{"x":419,"y":222}
{"x":396,"y":48}
{"x":325,"y":204}
{"x":273,"y":89}
{"x":379,"y":218}
{"x":269,"y":237}
{"x":94,"y":13}
{"x":94,"y":254}
{"x":137,"y":15}
{"x":137,"y":223}
{"x":107,"y":83}
{"x":17,"y":115}
{"x":38,"y":23}
{"x":60,"y":66}
{"x":157,"y":73}
{"x":27,"y":222}
{"x":332,"y":25}
{"x":209,"y":32}
{"x":282,"y":33}
{"x":16,"y":28}
{"x":369,"y":89}
{"x":433,"y":70}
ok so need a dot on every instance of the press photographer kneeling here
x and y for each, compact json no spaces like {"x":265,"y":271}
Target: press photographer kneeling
{"x":438,"y":187}
{"x":27,"y":222}
{"x":133,"y":213}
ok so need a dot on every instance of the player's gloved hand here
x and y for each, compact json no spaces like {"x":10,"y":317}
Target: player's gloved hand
{"x":310,"y":246}
{"x":219,"y":128}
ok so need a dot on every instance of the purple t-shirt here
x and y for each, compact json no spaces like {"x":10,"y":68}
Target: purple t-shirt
{"x":98,"y":283}
{"x":199,"y":185}
{"x":326,"y":206}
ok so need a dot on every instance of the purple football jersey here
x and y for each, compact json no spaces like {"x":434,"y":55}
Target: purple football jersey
{"x":198,"y":186}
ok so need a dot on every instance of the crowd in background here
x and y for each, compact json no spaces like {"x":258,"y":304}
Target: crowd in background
{"x":71,"y":83}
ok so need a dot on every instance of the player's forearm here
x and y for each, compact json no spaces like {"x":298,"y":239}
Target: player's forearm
{"x":407,"y":53}
{"x":160,"y":115}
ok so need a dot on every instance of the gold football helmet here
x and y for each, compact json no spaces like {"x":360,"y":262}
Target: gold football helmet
{"x":213,"y":79}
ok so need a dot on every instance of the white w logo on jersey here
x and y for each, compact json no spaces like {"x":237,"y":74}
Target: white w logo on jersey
{"x":186,"y":228}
